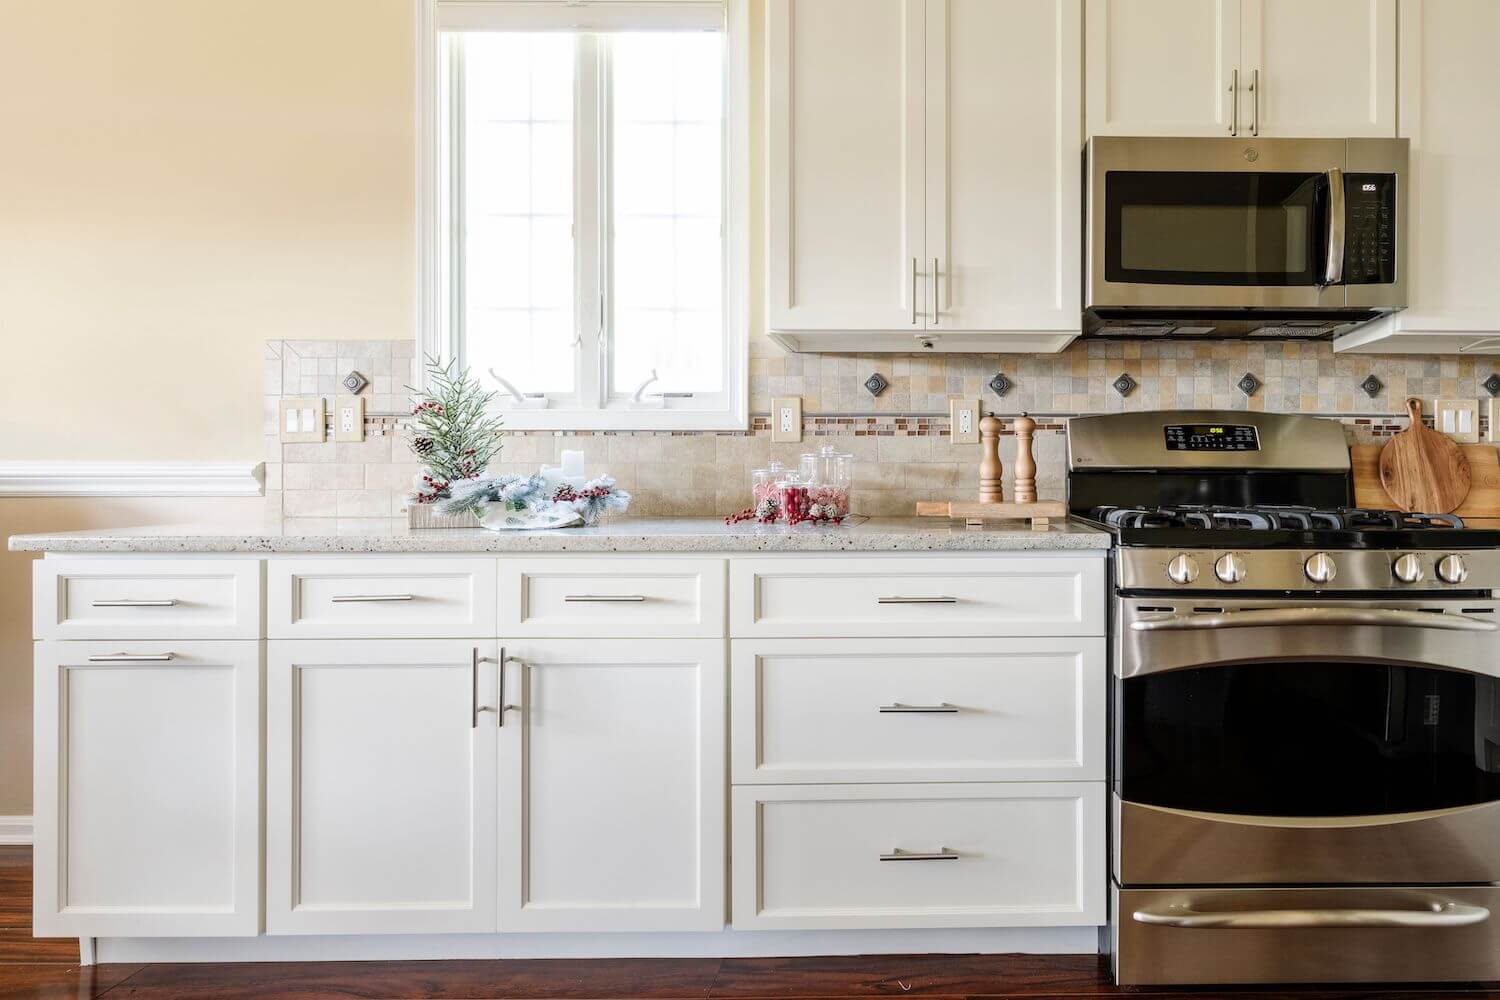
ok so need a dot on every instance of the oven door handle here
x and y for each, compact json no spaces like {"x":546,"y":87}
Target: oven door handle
{"x":1260,"y":617}
{"x":1437,"y":914}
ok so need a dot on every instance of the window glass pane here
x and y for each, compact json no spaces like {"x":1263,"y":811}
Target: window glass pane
{"x":666,"y":203}
{"x":517,"y":221}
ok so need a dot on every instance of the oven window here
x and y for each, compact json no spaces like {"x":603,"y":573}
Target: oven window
{"x":1308,"y":739}
{"x":1192,"y":228}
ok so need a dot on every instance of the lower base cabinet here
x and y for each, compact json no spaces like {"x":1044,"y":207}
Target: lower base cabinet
{"x":812,"y":857}
{"x":147,"y":803}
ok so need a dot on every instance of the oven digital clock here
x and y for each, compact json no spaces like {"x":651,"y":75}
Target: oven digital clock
{"x":1211,"y":437}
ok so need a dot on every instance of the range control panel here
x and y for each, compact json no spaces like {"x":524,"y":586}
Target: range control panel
{"x":1211,"y":437}
{"x":1369,"y":229}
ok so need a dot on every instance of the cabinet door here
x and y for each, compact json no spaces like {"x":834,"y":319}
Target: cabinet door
{"x":1004,"y":130}
{"x":845,"y":195}
{"x":612,"y":785}
{"x":380,"y":790}
{"x":1319,"y":69}
{"x":1163,"y":67}
{"x":147,"y":789}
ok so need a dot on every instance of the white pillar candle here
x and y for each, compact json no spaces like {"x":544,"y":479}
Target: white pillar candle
{"x":572,"y":464}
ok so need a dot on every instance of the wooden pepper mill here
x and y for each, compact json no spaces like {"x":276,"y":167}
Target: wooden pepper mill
{"x":990,"y":469}
{"x":1025,"y":462}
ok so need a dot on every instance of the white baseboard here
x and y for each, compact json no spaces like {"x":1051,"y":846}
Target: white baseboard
{"x":15,"y":829}
{"x":132,"y":479}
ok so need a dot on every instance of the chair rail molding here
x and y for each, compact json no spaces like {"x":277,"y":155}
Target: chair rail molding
{"x":132,"y":479}
{"x":15,"y":830}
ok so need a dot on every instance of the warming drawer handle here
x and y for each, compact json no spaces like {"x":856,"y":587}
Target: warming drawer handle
{"x":127,"y":603}
{"x":1259,"y":617}
{"x":371,"y":598}
{"x":604,"y":598}
{"x":133,"y":658}
{"x":896,"y":708}
{"x":916,"y":600}
{"x":941,"y":854}
{"x":1437,"y":914}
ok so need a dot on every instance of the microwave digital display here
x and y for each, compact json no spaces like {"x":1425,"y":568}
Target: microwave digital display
{"x":1211,"y":437}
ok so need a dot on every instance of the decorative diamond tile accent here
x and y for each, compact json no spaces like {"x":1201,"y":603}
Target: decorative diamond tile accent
{"x":876,"y":384}
{"x":1372,"y":386}
{"x":1000,"y":385}
{"x":354,"y":382}
{"x":1492,"y":384}
{"x":1124,"y":385}
{"x":1248,"y":384}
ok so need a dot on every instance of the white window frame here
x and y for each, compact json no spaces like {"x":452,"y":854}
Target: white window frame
{"x":597,"y":408}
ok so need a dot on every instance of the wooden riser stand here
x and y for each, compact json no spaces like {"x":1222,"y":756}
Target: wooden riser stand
{"x":991,"y":505}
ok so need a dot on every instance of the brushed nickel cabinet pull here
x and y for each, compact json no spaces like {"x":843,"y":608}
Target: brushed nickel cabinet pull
{"x":371,"y":598}
{"x":127,"y":603}
{"x":133,"y":658}
{"x":896,"y":708}
{"x":1234,"y":102}
{"x":936,"y":309}
{"x":914,"y":291}
{"x":916,"y":600}
{"x":474,"y":705}
{"x":941,"y":854}
{"x":604,"y":599}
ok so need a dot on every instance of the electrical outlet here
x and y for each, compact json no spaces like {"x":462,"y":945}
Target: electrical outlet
{"x":1457,"y":418}
{"x":301,"y":420}
{"x":786,"y":419}
{"x":349,"y":418}
{"x":963,"y":426}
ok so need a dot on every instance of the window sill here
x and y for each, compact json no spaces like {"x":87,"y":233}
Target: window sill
{"x":622,"y":419}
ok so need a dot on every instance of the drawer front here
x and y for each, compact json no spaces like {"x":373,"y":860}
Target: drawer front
{"x":147,"y":599}
{"x":860,"y":710}
{"x":953,"y":595}
{"x":810,"y":857}
{"x":380,"y":598}
{"x":579,"y":597}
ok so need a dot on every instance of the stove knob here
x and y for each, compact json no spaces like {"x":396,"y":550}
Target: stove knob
{"x":1320,"y":568}
{"x":1408,"y":568}
{"x":1452,"y":569}
{"x":1230,"y":568}
{"x":1182,"y":569}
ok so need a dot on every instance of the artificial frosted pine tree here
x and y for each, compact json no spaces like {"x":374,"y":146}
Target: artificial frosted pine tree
{"x":453,"y":431}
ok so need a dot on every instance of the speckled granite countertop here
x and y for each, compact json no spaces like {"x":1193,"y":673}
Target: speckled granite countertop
{"x":670,"y":534}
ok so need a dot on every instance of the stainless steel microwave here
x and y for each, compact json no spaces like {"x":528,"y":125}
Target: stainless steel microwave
{"x":1242,"y":238}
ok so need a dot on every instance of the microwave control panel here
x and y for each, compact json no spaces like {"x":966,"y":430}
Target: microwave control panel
{"x":1369,"y":229}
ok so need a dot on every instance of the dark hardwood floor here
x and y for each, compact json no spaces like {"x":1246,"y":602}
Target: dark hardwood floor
{"x":48,"y":968}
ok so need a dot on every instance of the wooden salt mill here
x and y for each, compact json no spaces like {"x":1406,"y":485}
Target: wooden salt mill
{"x":1025,"y":462}
{"x":990,"y":469}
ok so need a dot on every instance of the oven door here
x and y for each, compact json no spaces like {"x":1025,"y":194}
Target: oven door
{"x":1272,"y":743}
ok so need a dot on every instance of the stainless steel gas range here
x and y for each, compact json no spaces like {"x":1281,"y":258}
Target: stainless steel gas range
{"x":1305,"y":766}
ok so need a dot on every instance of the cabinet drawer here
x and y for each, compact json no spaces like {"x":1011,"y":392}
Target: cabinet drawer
{"x":380,"y":598}
{"x":841,"y":710}
{"x":951,"y":595}
{"x":570,"y":597}
{"x":810,"y":857}
{"x":146,"y":599}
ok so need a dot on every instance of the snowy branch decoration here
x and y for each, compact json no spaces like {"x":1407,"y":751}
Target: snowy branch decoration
{"x":453,"y":432}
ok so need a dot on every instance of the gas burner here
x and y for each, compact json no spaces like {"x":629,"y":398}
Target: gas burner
{"x":1271,"y":517}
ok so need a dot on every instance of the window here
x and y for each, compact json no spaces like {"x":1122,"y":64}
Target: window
{"x":585,"y":202}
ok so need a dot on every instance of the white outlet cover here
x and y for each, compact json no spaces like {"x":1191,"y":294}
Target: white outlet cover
{"x":349,"y":418}
{"x":786,"y":419}
{"x":964,"y":415}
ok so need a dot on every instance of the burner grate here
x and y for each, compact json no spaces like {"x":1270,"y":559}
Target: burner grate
{"x":1270,"y":517}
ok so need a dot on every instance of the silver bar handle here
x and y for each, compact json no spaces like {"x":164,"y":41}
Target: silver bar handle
{"x":1333,"y":272}
{"x":127,"y":603}
{"x":1258,"y":617}
{"x":500,"y":712}
{"x":133,"y":658}
{"x":371,"y":598}
{"x":1437,"y":914}
{"x":941,"y":854}
{"x":474,"y":698}
{"x":896,"y":708}
{"x":1255,"y":102}
{"x":916,"y":600}
{"x":1234,"y":102}
{"x":604,"y":599}
{"x":937,"y":311}
{"x":914,"y":291}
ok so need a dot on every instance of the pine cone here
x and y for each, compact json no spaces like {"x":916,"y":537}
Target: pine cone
{"x":422,"y":445}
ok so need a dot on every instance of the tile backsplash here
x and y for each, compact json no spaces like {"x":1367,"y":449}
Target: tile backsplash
{"x":899,"y":439}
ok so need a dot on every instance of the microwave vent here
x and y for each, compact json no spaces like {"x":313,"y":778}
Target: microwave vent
{"x":1152,"y":330}
{"x":1294,"y":331}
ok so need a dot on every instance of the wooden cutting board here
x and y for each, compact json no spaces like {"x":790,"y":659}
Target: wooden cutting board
{"x":1422,"y":470}
{"x":1484,"y":489}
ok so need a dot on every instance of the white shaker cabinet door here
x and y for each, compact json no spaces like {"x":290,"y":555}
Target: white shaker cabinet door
{"x":1165,"y":67}
{"x":1004,"y":129}
{"x":612,"y":785}
{"x":147,"y":789}
{"x":846,"y":148}
{"x":380,"y":811}
{"x":1324,"y":69}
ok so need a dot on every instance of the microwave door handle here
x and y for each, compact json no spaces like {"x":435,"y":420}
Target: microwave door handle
{"x":1333,"y":273}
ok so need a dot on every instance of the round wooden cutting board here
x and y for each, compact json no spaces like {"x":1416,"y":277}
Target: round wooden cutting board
{"x":1424,"y":471}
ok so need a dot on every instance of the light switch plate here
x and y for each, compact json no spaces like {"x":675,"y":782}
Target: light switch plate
{"x":1457,"y":418}
{"x":301,"y":420}
{"x":786,"y":419}
{"x":964,"y":415}
{"x":1494,"y":416}
{"x":349,"y":418}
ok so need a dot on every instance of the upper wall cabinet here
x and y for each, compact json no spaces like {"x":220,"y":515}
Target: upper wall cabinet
{"x":1448,"y":74}
{"x":1242,"y":67}
{"x":924,"y":181}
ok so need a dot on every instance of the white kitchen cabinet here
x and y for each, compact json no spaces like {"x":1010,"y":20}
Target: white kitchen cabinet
{"x":1448,"y":76}
{"x":1285,"y":68}
{"x":612,"y":785}
{"x":381,"y":786}
{"x":923,"y":188}
{"x":147,"y":791}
